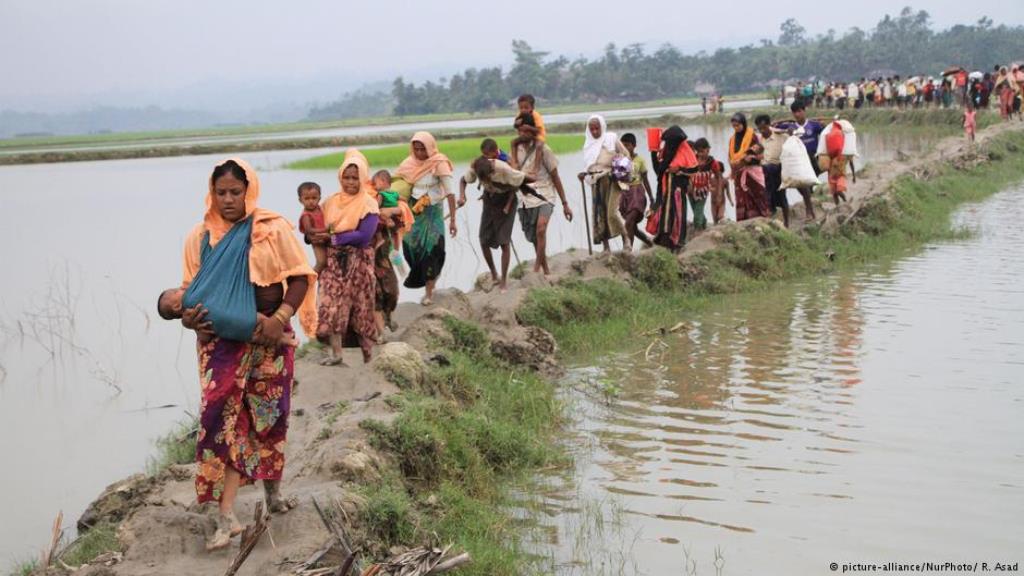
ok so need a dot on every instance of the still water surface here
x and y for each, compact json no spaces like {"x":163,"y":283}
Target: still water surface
{"x":86,"y":366}
{"x":864,"y":417}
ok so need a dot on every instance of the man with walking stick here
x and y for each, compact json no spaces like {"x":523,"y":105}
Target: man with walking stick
{"x":536,"y":159}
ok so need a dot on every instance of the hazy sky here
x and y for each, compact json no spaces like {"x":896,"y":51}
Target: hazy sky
{"x":61,"y":54}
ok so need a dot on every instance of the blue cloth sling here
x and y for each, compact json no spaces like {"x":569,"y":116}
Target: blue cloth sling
{"x":222,"y":284}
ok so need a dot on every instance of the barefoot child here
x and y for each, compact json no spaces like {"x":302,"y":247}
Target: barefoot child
{"x":170,"y":306}
{"x":633,"y":203}
{"x":837,"y":177}
{"x":401,"y":221}
{"x":395,"y":220}
{"x":970,"y":121}
{"x":311,"y":223}
{"x":707,"y":180}
{"x":527,"y":104}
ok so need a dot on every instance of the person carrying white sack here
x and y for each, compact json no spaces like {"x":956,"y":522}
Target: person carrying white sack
{"x":809,"y":132}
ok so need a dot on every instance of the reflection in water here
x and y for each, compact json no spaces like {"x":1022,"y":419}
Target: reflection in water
{"x":77,"y":319}
{"x":873,"y":415}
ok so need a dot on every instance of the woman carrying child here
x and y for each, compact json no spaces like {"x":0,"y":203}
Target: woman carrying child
{"x":430,"y":174}
{"x":395,"y":220}
{"x":745,"y":161}
{"x":348,"y":286}
{"x":600,"y":147}
{"x":246,"y":385}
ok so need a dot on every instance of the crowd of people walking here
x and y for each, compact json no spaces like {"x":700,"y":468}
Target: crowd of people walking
{"x":1001,"y":88}
{"x":246,"y":273}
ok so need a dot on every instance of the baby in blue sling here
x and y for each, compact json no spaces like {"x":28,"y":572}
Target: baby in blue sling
{"x":223,"y":288}
{"x":170,"y":305}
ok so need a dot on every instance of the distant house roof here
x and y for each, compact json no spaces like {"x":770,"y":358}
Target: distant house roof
{"x":704,"y":88}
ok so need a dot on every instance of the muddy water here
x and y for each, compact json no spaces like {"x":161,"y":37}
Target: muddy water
{"x":89,"y":375}
{"x":865,"y":417}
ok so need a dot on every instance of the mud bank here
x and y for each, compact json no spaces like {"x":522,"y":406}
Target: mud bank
{"x":382,"y":440}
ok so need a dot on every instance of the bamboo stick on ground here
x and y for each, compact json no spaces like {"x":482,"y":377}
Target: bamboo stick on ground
{"x":450,"y":564}
{"x":250,"y":537}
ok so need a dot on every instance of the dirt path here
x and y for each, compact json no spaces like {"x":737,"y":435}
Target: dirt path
{"x":328,"y":453}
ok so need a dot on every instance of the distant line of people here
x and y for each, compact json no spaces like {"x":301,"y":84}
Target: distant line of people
{"x":1002,"y":87}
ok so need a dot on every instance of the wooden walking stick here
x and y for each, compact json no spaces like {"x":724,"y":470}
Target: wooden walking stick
{"x":586,"y":218}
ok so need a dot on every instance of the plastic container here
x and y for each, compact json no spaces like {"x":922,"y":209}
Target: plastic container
{"x":653,"y":139}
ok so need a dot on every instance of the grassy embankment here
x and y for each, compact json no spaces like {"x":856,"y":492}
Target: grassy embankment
{"x":460,"y":441}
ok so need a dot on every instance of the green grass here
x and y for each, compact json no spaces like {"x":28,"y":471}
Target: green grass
{"x":478,"y":427}
{"x":23,"y":568}
{"x":176,"y":447}
{"x":918,"y":211}
{"x":457,"y":150}
{"x":98,"y":540}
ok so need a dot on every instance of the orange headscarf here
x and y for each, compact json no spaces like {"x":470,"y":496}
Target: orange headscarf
{"x":274,"y":253}
{"x":343,"y":212}
{"x":412,"y":169}
{"x":736,"y":155}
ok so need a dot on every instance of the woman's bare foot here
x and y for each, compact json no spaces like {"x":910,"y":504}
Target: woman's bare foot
{"x":228,"y":526}
{"x":276,"y":504}
{"x":333,"y":361}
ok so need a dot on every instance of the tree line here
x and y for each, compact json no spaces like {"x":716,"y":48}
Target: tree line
{"x":905,"y":44}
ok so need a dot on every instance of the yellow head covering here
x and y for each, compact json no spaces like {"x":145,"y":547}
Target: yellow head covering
{"x":342,"y":212}
{"x":412,"y":168}
{"x":274,"y":254}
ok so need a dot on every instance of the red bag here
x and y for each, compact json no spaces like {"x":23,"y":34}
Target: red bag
{"x":835,"y":141}
{"x":653,"y":221}
{"x":653,"y":139}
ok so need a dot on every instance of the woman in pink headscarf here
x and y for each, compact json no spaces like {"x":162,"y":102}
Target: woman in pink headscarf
{"x":430,"y":174}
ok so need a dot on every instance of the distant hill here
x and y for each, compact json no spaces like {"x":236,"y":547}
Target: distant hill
{"x":368,"y":101}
